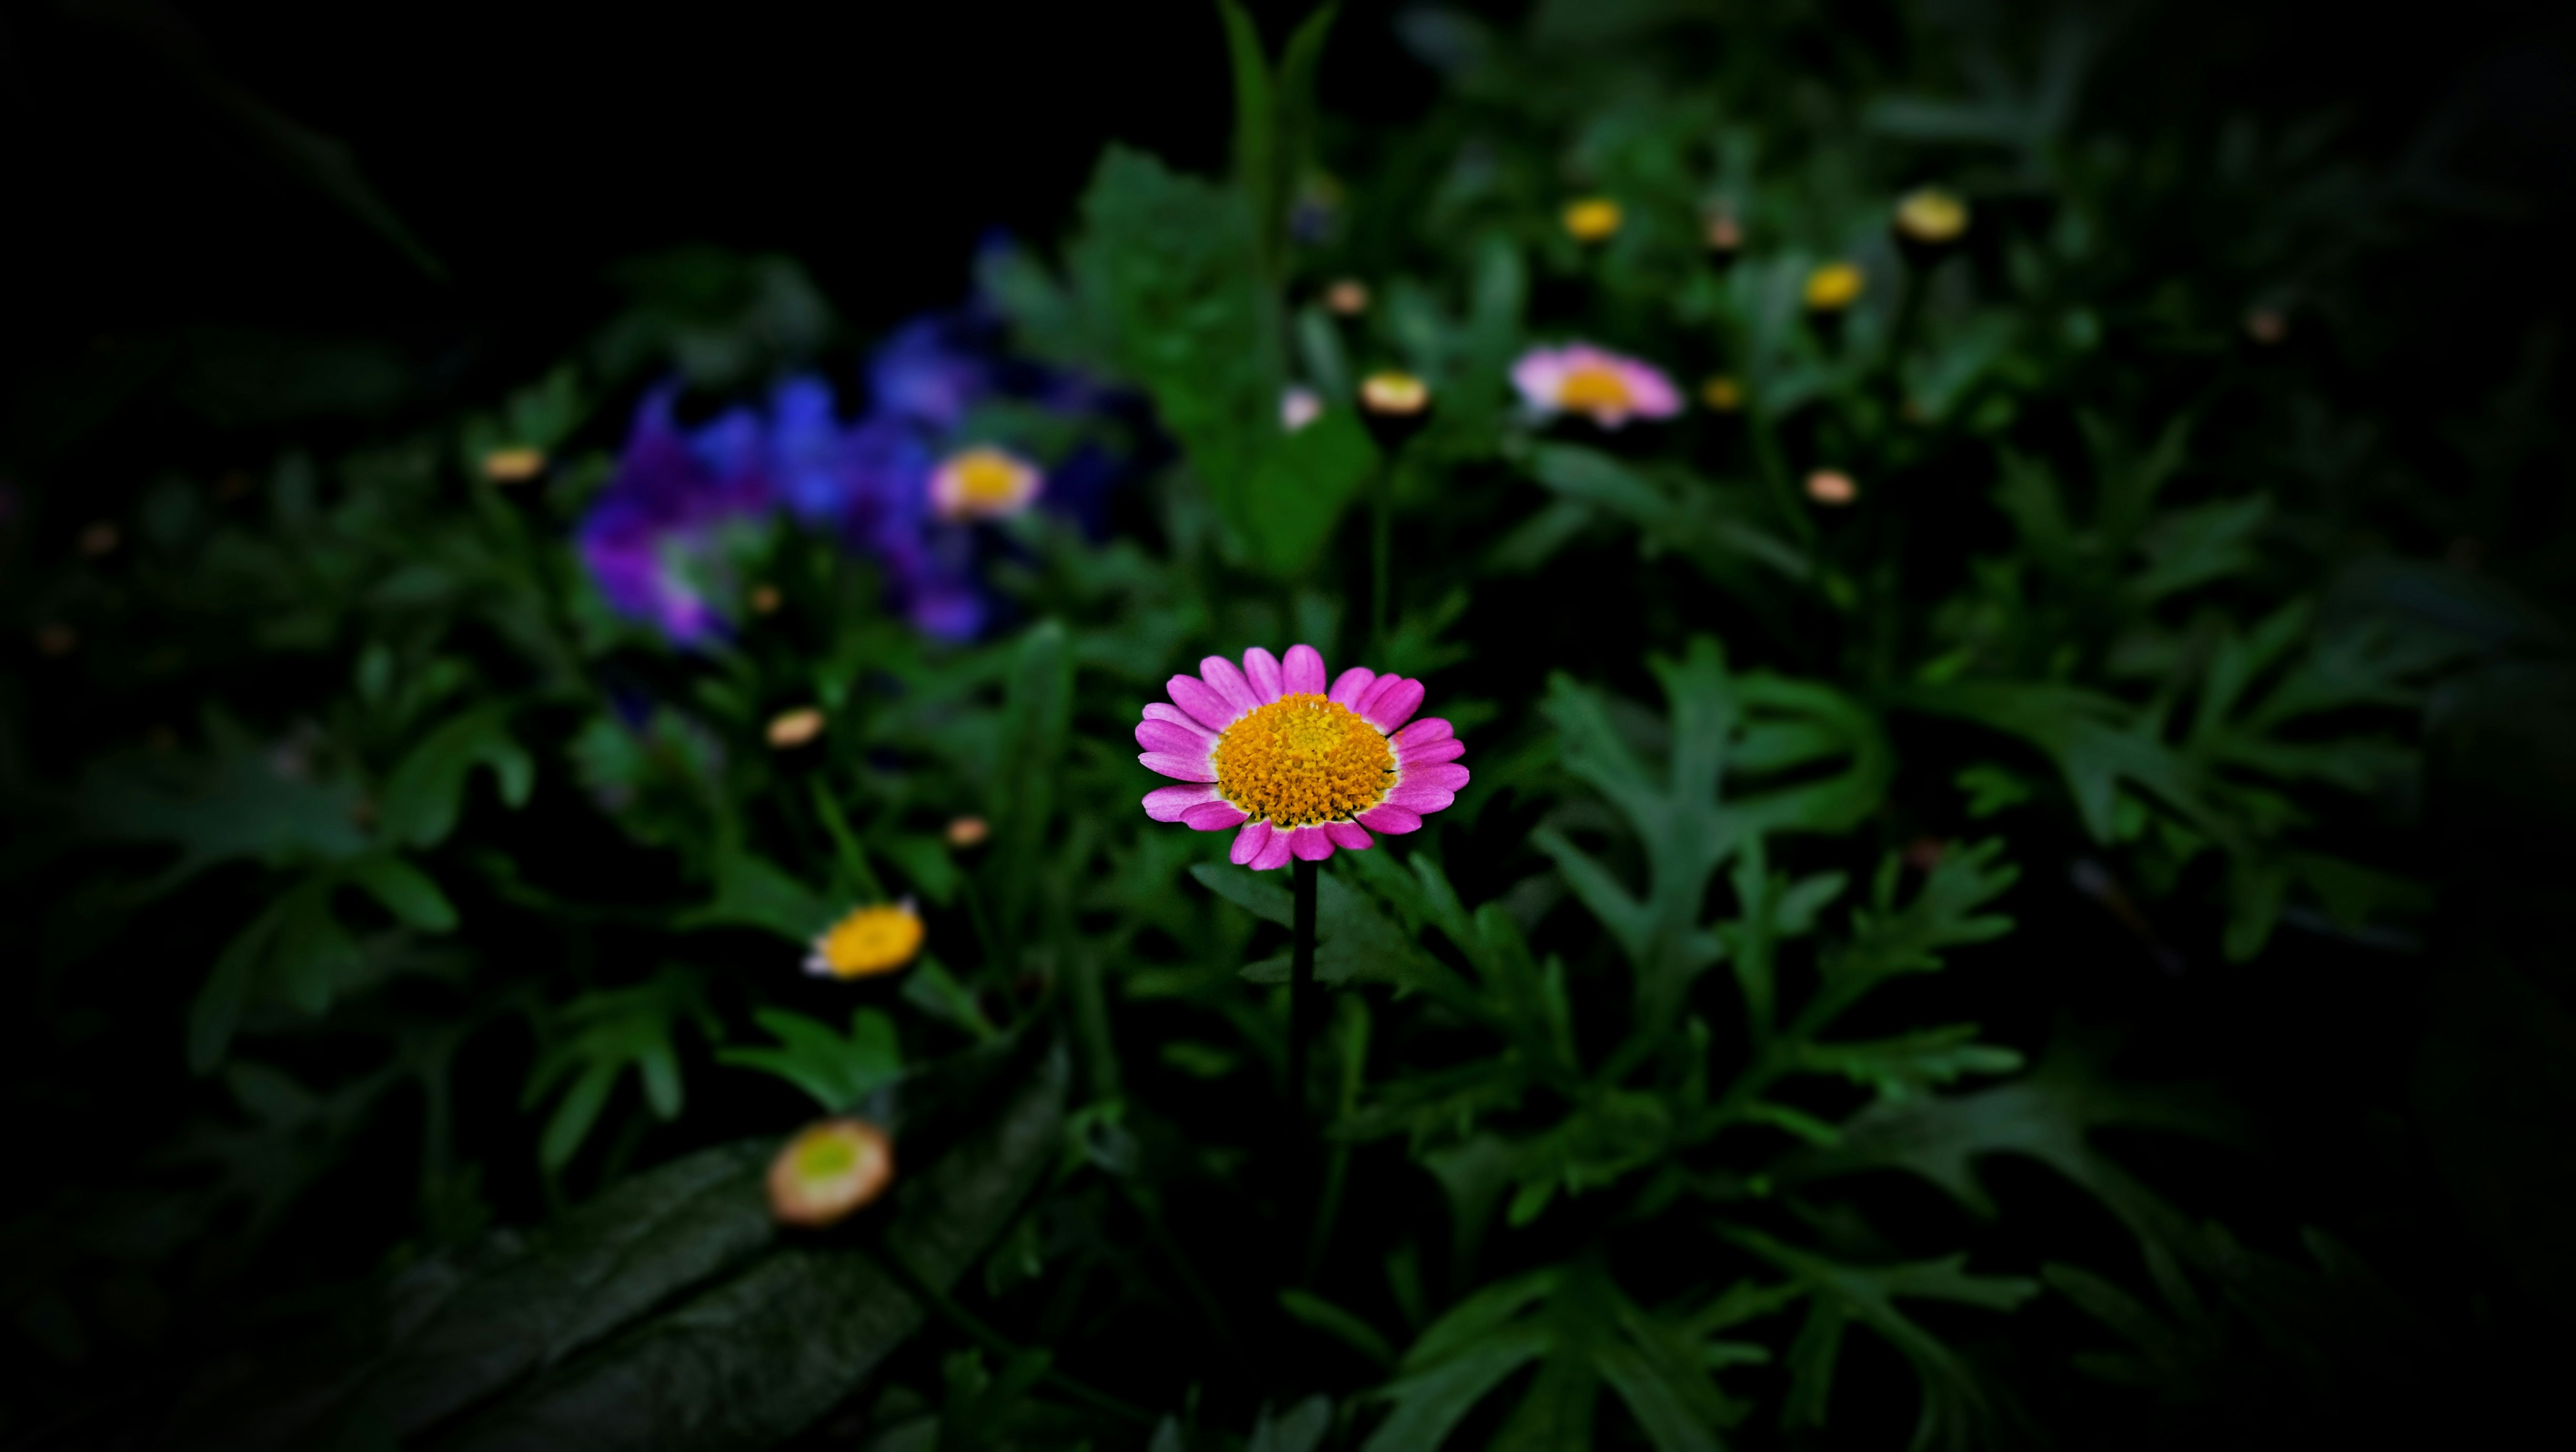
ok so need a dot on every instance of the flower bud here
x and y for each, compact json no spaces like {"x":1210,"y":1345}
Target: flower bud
{"x":829,"y":1171}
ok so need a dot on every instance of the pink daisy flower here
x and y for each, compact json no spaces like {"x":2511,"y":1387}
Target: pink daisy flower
{"x":1302,"y":769}
{"x":1600,"y":385}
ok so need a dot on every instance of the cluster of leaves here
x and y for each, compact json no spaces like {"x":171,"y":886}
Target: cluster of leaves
{"x":453,"y":861}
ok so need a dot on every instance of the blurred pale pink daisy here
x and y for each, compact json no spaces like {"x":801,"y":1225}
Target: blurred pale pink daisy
{"x":984,"y":482}
{"x":1600,"y":385}
{"x":1301,"y":769}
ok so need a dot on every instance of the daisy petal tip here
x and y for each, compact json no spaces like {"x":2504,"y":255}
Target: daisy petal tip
{"x":1310,"y":844}
{"x":1302,"y":672}
{"x":1349,"y":836}
{"x":1249,"y":843}
{"x":1212,"y":817}
{"x":1262,"y":669}
{"x":1390,"y":820}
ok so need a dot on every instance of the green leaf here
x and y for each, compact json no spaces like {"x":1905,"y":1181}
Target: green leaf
{"x":1037,"y":711}
{"x":1300,"y":485}
{"x":759,"y":1356}
{"x":1332,"y":1320}
{"x":1176,"y":264}
{"x":609,"y":1033}
{"x":1584,"y":1332}
{"x":404,"y":891}
{"x":1720,"y":726}
{"x":1958,"y":1411}
{"x":2048,"y":1116}
{"x":422,"y":797}
{"x":241,"y":799}
{"x":837,"y":1072}
{"x":753,"y":892}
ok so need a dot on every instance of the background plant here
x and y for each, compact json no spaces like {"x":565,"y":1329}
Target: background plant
{"x":2059,"y":805}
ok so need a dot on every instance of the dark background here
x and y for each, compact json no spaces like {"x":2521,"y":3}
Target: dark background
{"x":527,"y":146}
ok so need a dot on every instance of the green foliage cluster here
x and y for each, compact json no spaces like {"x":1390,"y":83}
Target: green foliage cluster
{"x":1733,"y":1009}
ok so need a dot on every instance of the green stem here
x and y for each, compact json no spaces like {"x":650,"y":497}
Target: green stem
{"x":1381,"y":552}
{"x":1355,"y":1038}
{"x":854,"y":858}
{"x":1775,"y":471}
{"x":1301,"y":993}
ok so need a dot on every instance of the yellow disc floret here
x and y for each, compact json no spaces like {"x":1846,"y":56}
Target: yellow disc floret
{"x":1931,"y":216}
{"x":869,"y":941}
{"x":1834,"y":286}
{"x":1302,"y":761}
{"x":1589,"y":388}
{"x":1592,"y":219}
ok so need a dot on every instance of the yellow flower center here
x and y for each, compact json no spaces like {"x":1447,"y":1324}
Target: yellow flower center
{"x":1931,"y":215}
{"x":1591,"y":386}
{"x":828,"y":1171}
{"x":821,"y":1157}
{"x":1834,"y":285}
{"x":1302,"y":761}
{"x":1592,"y":219}
{"x":1394,"y":394}
{"x":987,"y":479}
{"x":871,"y":940}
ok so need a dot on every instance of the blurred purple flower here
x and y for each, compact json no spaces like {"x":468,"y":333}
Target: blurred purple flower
{"x":650,"y":539}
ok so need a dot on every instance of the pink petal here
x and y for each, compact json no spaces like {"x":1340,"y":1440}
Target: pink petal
{"x":1390,"y":706}
{"x":1227,"y":680}
{"x":1448,"y":777}
{"x":1349,"y":835}
{"x":1191,"y":694}
{"x":1422,"y":732}
{"x":1430,"y":753}
{"x":1310,"y":844}
{"x":1348,"y":688}
{"x":1166,"y":711}
{"x":1420,"y":800}
{"x":1183,"y":740}
{"x":1211,"y":817}
{"x":1274,"y":853}
{"x":1263,"y":670}
{"x":1179,"y":766}
{"x":1391,"y":819}
{"x":1303,"y":672}
{"x":1166,"y":804}
{"x":1249,"y":842}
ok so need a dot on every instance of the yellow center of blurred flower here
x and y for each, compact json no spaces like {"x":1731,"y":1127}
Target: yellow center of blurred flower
{"x":1590,"y":388}
{"x":987,"y":481}
{"x":1394,"y":393}
{"x":1834,"y":286}
{"x":1722,"y":393}
{"x":794,"y":728}
{"x":870,"y":941}
{"x":1592,"y":219}
{"x":828,"y":1171}
{"x":1303,"y":760}
{"x":1929,"y":214}
{"x":514,"y":465}
{"x":819,"y":1157}
{"x":1831,"y":487}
